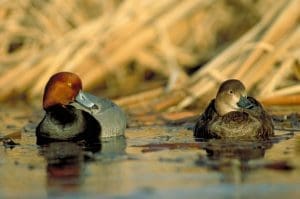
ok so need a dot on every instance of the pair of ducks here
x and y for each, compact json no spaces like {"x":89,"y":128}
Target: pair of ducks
{"x":74,"y":115}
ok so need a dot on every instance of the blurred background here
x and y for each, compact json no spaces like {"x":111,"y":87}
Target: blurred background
{"x":169,"y":54}
{"x":162,"y":61}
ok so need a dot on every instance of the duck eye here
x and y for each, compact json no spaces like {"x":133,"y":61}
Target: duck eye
{"x":230,"y":91}
{"x":69,"y":84}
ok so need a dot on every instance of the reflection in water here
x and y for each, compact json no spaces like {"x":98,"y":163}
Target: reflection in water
{"x":113,"y":147}
{"x":110,"y":173}
{"x":64,"y":167}
{"x":231,"y":157}
{"x":66,"y":162}
{"x":167,"y":170}
{"x":235,"y":159}
{"x":236,"y":149}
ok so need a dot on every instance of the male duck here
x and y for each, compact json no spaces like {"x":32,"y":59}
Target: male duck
{"x":234,"y":115}
{"x":73,"y":115}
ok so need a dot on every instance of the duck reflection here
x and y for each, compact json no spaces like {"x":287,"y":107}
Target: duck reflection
{"x":113,"y":147}
{"x":66,"y":162}
{"x":243,"y":150}
{"x":232,"y":158}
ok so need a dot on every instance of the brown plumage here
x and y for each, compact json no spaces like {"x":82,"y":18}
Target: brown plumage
{"x":234,"y":115}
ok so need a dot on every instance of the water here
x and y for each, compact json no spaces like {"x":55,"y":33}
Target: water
{"x":151,"y":162}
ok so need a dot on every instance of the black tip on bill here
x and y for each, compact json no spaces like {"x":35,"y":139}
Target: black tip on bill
{"x":245,"y":103}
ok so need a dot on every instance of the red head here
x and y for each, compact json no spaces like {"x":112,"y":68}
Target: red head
{"x":61,"y":89}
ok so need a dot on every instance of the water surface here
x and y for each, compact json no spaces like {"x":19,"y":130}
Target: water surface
{"x":150,"y":162}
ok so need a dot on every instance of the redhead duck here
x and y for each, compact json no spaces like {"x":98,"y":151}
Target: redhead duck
{"x":74,"y":115}
{"x":234,"y":115}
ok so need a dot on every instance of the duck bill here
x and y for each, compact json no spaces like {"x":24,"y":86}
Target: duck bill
{"x":244,"y":102}
{"x":84,"y":101}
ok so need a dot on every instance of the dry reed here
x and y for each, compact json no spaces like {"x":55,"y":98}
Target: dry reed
{"x":97,"y":39}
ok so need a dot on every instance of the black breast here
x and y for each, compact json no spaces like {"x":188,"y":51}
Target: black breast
{"x":66,"y":116}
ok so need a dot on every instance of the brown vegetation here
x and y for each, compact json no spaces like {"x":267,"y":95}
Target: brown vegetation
{"x":170,"y":53}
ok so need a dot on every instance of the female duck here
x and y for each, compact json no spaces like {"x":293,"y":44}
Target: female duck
{"x":234,"y":115}
{"x":73,"y":115}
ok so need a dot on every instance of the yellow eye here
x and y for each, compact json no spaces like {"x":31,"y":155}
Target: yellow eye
{"x":69,"y":84}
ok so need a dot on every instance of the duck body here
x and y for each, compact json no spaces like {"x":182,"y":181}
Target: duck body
{"x":74,"y":115}
{"x":255,"y":123}
{"x":248,"y":121}
{"x":111,"y":117}
{"x":69,"y":120}
{"x":75,"y":122}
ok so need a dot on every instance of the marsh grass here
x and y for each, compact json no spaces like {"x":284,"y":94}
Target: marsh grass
{"x":170,"y":53}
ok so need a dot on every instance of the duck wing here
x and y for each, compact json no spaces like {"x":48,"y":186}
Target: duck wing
{"x":111,"y":117}
{"x":201,"y":129}
{"x":258,"y":111}
{"x":235,"y":124}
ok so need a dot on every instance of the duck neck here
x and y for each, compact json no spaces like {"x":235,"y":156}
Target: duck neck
{"x":222,"y":108}
{"x":62,"y":114}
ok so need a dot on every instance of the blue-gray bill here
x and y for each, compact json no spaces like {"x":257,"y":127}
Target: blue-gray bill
{"x":244,"y":102}
{"x":85,"y":101}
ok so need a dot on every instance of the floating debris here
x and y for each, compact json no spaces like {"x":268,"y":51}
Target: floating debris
{"x":9,"y":143}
